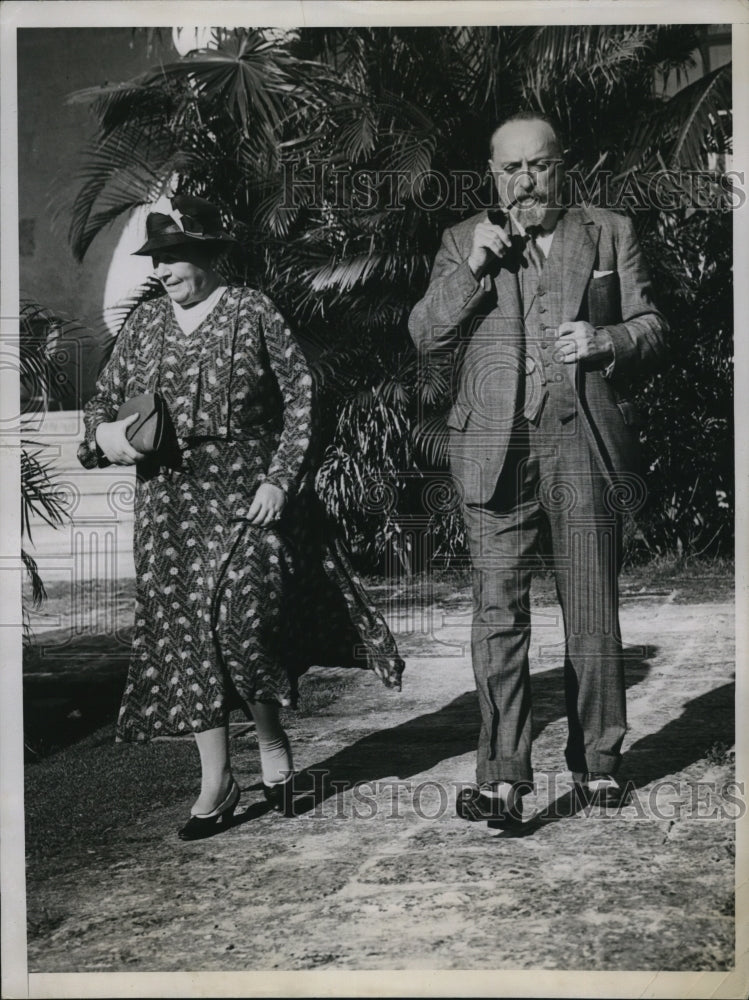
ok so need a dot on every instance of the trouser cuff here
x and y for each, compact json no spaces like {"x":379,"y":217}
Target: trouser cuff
{"x":601,"y":763}
{"x":492,"y":771}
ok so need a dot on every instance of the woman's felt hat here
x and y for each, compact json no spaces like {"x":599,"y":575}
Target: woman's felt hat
{"x":191,"y":221}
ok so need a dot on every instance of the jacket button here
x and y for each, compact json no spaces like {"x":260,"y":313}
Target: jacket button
{"x":542,"y":309}
{"x":544,"y":345}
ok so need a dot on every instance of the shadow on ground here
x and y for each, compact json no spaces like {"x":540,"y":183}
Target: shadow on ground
{"x":71,"y":689}
{"x":706,"y":721}
{"x":420,"y":744}
{"x":69,"y":703}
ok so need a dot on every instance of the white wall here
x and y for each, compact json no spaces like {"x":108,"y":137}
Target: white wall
{"x":97,"y":542}
{"x":52,"y":63}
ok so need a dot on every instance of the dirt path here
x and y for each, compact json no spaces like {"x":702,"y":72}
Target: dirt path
{"x":380,"y":874}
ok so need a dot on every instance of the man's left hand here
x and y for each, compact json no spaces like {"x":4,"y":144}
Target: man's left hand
{"x":579,"y":341}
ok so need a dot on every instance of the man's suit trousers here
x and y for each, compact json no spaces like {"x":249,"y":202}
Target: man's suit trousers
{"x":550,"y":476}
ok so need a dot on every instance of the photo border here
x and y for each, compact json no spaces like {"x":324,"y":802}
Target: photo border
{"x":16,"y":981}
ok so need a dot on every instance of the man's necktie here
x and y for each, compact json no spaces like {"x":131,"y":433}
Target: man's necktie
{"x":533,"y":251}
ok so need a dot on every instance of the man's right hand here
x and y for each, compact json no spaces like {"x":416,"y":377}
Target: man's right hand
{"x":112,"y":439}
{"x":489,"y":241}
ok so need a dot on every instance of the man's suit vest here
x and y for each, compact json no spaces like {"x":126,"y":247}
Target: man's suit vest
{"x":546,"y":387}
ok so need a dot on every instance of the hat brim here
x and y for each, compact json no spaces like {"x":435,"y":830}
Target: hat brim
{"x":179,"y":239}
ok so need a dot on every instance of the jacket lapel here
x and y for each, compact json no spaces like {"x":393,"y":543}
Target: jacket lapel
{"x":508,"y":297}
{"x":579,"y":239}
{"x":579,"y":249}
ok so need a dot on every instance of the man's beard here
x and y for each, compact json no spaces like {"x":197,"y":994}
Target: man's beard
{"x":532,"y":213}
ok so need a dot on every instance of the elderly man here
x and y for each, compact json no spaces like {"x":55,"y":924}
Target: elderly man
{"x":547,"y":314}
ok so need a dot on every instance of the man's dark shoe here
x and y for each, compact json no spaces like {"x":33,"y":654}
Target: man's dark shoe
{"x":471,"y":805}
{"x":594,"y":788}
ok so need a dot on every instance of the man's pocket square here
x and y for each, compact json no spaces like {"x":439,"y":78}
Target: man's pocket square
{"x":601,"y":274}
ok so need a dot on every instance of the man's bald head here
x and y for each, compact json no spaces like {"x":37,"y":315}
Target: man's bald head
{"x":530,"y":116}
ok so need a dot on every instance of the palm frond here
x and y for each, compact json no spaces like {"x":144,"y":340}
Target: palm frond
{"x":131,"y":167}
{"x":679,"y":130}
{"x":251,"y":75}
{"x":314,"y":286}
{"x":278,"y":204}
{"x":356,"y":131}
{"x":593,"y":55}
{"x":700,"y":108}
{"x":396,"y":393}
{"x":411,"y":160}
{"x":119,"y":105}
{"x":41,"y":355}
{"x":564,"y":47}
{"x":344,"y":275}
{"x":433,"y":379}
{"x":38,"y":590}
{"x":431,"y":441}
{"x":40,"y":496}
{"x":381,"y":310}
{"x":675,"y":45}
{"x":479,"y":50}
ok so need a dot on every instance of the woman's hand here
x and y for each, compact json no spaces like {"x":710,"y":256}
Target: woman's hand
{"x":267,"y":505}
{"x":112,"y":439}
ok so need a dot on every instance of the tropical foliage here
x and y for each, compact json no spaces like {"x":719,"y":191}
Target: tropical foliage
{"x":336,"y":152}
{"x":40,"y":368}
{"x":688,"y":430}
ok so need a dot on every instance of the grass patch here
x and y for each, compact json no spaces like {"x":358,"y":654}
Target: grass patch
{"x":79,"y":794}
{"x":74,"y":798}
{"x":320,"y":688}
{"x":696,"y":581}
{"x":720,"y":754}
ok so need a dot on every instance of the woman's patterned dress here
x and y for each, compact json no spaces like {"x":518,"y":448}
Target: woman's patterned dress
{"x":227,"y":612}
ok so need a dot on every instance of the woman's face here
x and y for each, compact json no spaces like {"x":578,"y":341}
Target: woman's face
{"x":186,"y":274}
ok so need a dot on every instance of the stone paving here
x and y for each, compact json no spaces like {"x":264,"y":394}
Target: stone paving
{"x":379,"y":873}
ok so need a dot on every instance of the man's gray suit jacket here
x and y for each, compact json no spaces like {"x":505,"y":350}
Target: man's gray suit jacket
{"x":598,"y":275}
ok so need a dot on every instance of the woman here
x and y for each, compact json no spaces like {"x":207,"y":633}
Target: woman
{"x":219,"y":538}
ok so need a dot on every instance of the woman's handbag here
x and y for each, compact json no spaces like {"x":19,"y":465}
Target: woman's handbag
{"x":152,"y":431}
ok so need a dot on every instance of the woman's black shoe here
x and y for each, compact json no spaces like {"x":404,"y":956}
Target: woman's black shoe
{"x":281,"y":797}
{"x":197,"y":827}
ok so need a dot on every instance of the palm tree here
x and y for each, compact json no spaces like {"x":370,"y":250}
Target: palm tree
{"x":279,"y":131}
{"x":242,"y":119}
